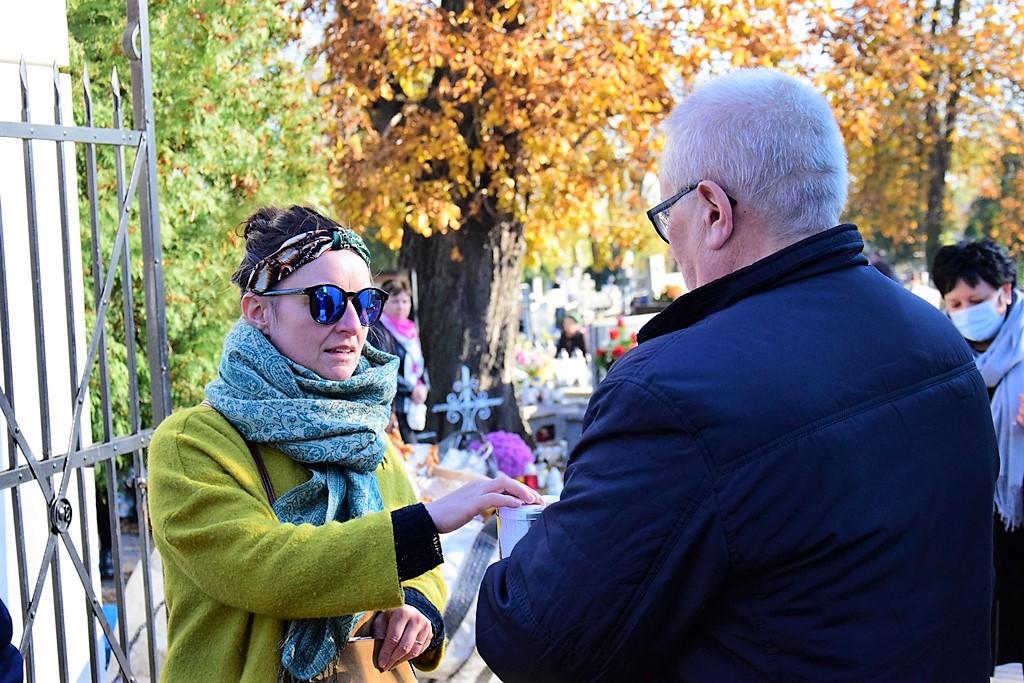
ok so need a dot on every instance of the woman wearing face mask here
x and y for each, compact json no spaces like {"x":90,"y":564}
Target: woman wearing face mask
{"x":285,"y":519}
{"x":977,"y":280}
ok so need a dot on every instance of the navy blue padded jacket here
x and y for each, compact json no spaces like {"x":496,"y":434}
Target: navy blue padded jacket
{"x":789,"y":479}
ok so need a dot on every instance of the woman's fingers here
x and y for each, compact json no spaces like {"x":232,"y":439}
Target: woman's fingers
{"x":397,"y":649}
{"x":519,"y":490}
{"x":404,"y":633}
{"x":503,"y":500}
{"x":454,"y":510}
{"x":406,"y":638}
{"x":395,"y":644}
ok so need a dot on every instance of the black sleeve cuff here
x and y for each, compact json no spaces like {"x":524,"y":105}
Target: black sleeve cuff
{"x":416,"y":599}
{"x":417,"y":545}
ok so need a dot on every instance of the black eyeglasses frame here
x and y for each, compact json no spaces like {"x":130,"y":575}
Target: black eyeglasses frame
{"x":655,"y":213}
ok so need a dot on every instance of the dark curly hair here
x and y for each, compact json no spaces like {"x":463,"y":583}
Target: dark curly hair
{"x":973,"y":261}
{"x":270,"y":227}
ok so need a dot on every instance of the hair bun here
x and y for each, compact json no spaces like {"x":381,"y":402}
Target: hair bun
{"x":260,"y":221}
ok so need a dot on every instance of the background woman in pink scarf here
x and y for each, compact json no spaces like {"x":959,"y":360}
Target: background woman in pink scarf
{"x":396,"y":333}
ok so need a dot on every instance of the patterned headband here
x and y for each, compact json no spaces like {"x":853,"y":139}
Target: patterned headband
{"x":300,"y":250}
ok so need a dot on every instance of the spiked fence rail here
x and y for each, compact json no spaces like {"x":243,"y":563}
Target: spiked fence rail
{"x":52,"y":481}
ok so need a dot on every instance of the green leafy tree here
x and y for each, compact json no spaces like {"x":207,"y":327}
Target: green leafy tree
{"x":237,"y":126}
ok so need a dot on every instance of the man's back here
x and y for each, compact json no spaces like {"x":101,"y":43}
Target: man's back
{"x":853,"y":498}
{"x":796,"y":468}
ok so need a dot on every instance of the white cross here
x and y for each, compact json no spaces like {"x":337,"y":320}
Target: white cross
{"x":467,"y":403}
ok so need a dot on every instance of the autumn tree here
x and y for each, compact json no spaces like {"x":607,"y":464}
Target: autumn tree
{"x":998,"y":210}
{"x":477,"y":134}
{"x":927,"y":92}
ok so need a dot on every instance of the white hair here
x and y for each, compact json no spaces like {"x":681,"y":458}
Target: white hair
{"x":770,"y":140}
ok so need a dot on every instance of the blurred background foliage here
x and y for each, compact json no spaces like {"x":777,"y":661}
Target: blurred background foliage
{"x":485,"y":139}
{"x":237,"y":126}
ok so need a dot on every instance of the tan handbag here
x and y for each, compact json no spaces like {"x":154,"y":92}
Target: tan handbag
{"x":357,"y":663}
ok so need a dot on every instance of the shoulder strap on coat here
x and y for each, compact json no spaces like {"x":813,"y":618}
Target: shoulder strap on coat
{"x":264,"y":475}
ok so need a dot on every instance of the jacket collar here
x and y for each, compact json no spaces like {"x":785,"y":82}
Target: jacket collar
{"x":838,"y":247}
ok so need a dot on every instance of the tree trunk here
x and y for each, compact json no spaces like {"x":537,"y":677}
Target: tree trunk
{"x":468,"y":298}
{"x":939,"y":155}
{"x":938,"y":166}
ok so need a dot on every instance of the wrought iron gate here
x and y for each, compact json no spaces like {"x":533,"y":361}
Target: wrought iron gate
{"x":108,"y":418}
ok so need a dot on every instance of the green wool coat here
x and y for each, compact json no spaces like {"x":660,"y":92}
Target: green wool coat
{"x":234,"y":574}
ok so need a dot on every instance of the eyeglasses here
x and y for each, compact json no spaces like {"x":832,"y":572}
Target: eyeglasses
{"x":327,"y":303}
{"x":659,"y":215}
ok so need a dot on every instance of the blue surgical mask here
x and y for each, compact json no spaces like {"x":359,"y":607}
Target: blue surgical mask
{"x":980,"y":322}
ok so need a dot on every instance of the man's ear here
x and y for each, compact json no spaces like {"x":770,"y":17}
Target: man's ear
{"x":256,"y":311}
{"x":717,"y":214}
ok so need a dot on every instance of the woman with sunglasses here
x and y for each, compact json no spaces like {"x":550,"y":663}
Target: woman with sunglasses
{"x":284,"y":517}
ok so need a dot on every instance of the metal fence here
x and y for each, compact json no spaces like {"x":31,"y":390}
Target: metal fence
{"x":113,"y":347}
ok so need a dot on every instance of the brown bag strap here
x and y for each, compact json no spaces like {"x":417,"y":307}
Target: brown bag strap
{"x":264,"y":475}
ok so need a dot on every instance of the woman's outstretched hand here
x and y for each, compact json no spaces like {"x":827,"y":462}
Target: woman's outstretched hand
{"x":458,"y":507}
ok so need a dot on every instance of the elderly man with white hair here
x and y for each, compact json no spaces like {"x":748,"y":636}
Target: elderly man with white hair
{"x":791,"y":477}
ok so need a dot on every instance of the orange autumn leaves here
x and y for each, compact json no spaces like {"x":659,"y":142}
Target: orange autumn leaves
{"x":545,"y":112}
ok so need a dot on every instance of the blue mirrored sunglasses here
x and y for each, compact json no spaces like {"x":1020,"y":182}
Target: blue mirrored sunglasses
{"x":327,"y":303}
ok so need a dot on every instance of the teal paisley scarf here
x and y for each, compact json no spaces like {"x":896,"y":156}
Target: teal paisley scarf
{"x":336,"y":428}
